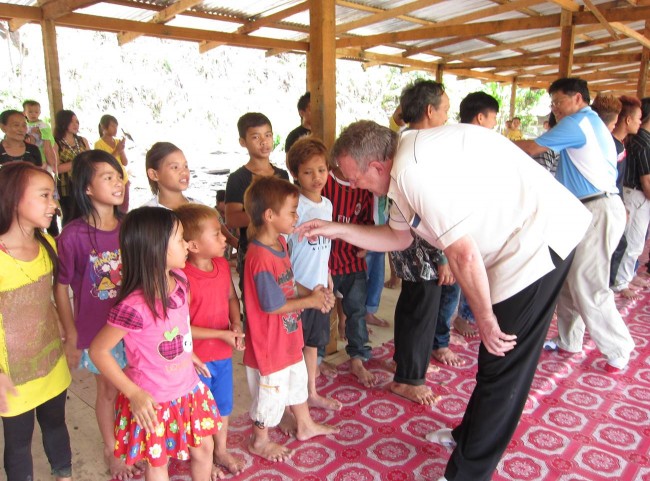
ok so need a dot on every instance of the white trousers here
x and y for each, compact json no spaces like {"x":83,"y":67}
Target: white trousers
{"x":586,"y":299}
{"x":638,"y":207}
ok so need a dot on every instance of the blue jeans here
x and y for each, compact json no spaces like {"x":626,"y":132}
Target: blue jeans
{"x":353,"y":289}
{"x":448,"y":303}
{"x":375,"y":279}
{"x":464,"y":310}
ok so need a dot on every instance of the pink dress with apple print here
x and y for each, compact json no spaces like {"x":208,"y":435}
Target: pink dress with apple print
{"x":159,"y":355}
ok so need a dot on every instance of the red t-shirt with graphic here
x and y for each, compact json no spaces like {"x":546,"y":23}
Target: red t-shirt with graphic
{"x":209,"y":307}
{"x":273,"y":341}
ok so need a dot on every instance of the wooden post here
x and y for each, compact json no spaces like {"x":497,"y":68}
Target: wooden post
{"x":566,"y":46}
{"x":513,"y":98}
{"x":321,"y":69}
{"x":53,"y":78}
{"x":643,"y":70}
{"x":439,"y":71}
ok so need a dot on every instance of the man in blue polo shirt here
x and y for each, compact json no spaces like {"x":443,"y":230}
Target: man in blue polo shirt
{"x":587,"y":168}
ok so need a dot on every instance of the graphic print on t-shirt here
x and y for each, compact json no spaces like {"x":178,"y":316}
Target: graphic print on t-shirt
{"x":289,"y":319}
{"x":105,"y":274}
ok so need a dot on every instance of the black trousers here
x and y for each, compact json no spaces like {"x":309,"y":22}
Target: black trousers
{"x":416,"y":315}
{"x":18,"y":431}
{"x":503,"y":383}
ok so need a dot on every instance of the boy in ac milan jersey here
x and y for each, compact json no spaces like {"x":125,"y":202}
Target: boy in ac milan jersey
{"x":348,"y":268}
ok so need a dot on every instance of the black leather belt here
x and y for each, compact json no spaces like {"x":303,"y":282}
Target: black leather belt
{"x":584,"y":200}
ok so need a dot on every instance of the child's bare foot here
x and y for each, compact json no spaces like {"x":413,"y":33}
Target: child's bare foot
{"x":364,"y":376}
{"x":216,"y":473}
{"x":270,"y":451}
{"x":328,"y":369}
{"x":118,"y":468}
{"x":231,"y":463}
{"x":464,"y":327}
{"x":314,"y":429}
{"x":376,"y":321}
{"x":318,"y":401}
{"x":418,"y":394}
{"x":446,"y":356}
{"x":288,"y":425}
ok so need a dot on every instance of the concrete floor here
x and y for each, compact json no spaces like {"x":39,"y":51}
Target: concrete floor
{"x":86,"y":442}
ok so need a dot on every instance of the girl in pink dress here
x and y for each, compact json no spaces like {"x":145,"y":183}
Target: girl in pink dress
{"x":163,"y":410}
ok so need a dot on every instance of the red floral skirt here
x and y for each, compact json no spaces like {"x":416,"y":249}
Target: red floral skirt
{"x":181,"y":424}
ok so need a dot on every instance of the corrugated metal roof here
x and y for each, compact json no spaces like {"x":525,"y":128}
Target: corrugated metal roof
{"x":470,"y":34}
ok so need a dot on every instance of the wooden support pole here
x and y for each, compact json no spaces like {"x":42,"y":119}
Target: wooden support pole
{"x":52,"y":75}
{"x":643,"y":66}
{"x":321,"y":69}
{"x":566,"y":44}
{"x":513,"y":97}
{"x":439,"y":72}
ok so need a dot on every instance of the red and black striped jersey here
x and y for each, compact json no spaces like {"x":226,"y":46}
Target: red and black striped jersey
{"x":351,"y":206}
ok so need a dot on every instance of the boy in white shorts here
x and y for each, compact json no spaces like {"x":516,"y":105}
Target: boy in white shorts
{"x":277,"y":376}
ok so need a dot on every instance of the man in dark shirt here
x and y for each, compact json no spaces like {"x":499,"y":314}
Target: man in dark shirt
{"x":636,"y":196}
{"x":304,"y":110}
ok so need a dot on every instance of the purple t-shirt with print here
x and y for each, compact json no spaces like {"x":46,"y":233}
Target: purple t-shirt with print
{"x":90,"y":262}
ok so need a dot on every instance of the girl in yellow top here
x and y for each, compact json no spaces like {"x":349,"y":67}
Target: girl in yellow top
{"x":109,"y":143}
{"x":34,"y":373}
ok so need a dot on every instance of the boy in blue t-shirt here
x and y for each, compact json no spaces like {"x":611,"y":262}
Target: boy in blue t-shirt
{"x":307,"y":162}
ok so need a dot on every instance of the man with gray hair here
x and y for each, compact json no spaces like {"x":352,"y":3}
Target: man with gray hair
{"x":508,"y":230}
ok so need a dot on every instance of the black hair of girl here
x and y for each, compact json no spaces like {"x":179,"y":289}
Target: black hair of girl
{"x":83,"y":171}
{"x":155,"y":155}
{"x":144,"y":239}
{"x":104,"y":122}
{"x":62,"y":121}
{"x":14,"y":177}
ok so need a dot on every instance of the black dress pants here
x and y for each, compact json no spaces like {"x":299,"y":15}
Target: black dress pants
{"x":503,"y":383}
{"x":416,"y":315}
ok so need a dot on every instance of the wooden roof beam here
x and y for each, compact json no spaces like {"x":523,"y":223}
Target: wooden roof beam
{"x":522,"y":62}
{"x":569,"y":5}
{"x":381,"y":15}
{"x":163,"y":16}
{"x":601,"y":18}
{"x":94,"y":22}
{"x":16,"y":23}
{"x":488,"y":28}
{"x":631,"y":33}
{"x":53,"y":9}
{"x":271,"y":19}
{"x":371,"y":9}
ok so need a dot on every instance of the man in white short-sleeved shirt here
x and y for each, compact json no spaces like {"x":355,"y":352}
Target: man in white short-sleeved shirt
{"x":508,"y":229}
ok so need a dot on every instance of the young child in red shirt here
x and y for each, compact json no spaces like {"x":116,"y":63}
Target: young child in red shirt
{"x":214,"y":315}
{"x":276,"y":371}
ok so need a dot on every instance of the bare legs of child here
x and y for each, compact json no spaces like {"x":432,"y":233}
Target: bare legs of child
{"x":105,"y":413}
{"x":221,"y":455}
{"x":316,"y":400}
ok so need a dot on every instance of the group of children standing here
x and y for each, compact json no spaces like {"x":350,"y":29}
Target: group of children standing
{"x":155,"y":314}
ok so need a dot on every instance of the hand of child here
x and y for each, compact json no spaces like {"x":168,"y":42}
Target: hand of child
{"x":445,"y":277}
{"x":6,"y":386}
{"x":143,"y":408}
{"x":200,"y":366}
{"x":361,"y":253}
{"x":72,"y":354}
{"x":322,"y":298}
{"x":240,"y":342}
{"x":119,"y":148}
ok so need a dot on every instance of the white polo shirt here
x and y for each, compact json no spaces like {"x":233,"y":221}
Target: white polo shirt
{"x":459,"y":180}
